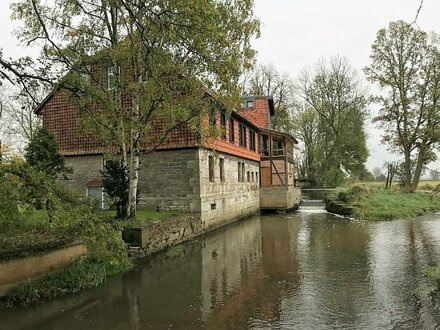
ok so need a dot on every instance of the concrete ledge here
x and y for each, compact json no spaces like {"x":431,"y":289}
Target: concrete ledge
{"x":16,"y":271}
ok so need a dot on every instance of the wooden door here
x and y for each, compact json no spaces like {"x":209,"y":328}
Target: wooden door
{"x":266,"y":179}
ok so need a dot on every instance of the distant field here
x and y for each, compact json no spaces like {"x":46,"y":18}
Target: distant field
{"x":423,"y":184}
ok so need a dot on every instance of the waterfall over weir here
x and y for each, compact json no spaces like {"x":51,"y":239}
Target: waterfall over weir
{"x":312,"y":206}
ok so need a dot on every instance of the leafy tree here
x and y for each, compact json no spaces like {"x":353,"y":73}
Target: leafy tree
{"x":116,"y":184}
{"x":42,"y":154}
{"x":331,"y":120}
{"x":266,"y":80}
{"x":164,"y":54}
{"x":405,"y":63}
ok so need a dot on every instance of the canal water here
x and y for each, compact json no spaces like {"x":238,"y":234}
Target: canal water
{"x":294,"y":271}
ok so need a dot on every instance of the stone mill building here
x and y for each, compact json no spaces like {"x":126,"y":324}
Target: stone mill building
{"x":246,"y":168}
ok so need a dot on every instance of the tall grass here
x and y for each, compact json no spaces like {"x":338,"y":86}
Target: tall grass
{"x":386,"y":204}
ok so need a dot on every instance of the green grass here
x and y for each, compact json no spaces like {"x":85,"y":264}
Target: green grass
{"x":82,"y":274}
{"x":174,"y":251}
{"x":147,"y":216}
{"x":423,"y":184}
{"x":381,"y":204}
{"x":30,"y":234}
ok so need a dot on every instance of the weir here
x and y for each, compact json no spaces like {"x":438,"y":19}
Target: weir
{"x":312,"y":206}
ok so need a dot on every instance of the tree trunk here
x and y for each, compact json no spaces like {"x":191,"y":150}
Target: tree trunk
{"x":407,"y":171}
{"x":419,"y":167}
{"x":387,"y":182}
{"x":134,"y":156}
{"x":134,"y":178}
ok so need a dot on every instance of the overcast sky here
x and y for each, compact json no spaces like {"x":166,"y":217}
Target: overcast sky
{"x":296,"y":33}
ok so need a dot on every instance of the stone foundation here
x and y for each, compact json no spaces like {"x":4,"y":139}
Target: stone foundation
{"x":280,"y":197}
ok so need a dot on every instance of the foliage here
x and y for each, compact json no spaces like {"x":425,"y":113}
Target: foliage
{"x":9,"y":203}
{"x":433,"y":273}
{"x":405,"y":63}
{"x":84,"y":273}
{"x":175,"y":251}
{"x":115,"y":180}
{"x":330,"y":121}
{"x":68,"y":213}
{"x":42,"y":154}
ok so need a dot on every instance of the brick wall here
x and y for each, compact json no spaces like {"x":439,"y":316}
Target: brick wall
{"x":259,"y":115}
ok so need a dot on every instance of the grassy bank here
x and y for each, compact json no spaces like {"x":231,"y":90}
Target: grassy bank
{"x":387,"y":204}
{"x":107,"y":253}
{"x":82,"y":274}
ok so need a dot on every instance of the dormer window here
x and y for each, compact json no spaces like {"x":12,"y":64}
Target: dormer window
{"x":249,"y":104}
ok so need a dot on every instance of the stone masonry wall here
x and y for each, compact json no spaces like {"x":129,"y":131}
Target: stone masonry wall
{"x":280,"y":197}
{"x":85,"y":169}
{"x":231,"y":199}
{"x":169,"y":180}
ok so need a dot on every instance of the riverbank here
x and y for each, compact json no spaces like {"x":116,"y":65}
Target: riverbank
{"x":377,"y":204}
{"x":149,"y":233}
{"x":34,"y":239}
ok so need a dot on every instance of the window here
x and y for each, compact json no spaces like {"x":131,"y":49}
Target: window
{"x":265,"y":145}
{"x":213,"y":206}
{"x":248,"y":176}
{"x":242,"y":135}
{"x":222,"y":170}
{"x":211,"y":168}
{"x":256,"y":177}
{"x":223,"y":125}
{"x":252,"y":176}
{"x":249,"y":104}
{"x":97,"y":193}
{"x":277,"y":147}
{"x":239,"y":172}
{"x":242,"y":172}
{"x":112,"y":77}
{"x":252,"y":140}
{"x":231,"y":131}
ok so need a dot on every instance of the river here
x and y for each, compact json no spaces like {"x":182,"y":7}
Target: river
{"x":293,"y":271}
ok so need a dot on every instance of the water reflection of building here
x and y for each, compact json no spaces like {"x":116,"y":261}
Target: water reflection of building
{"x":227,"y":259}
{"x":257,"y":300}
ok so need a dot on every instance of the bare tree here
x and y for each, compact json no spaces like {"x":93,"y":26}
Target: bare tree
{"x":377,"y":172}
{"x":19,"y":109}
{"x":392,"y":169}
{"x":267,"y":80}
{"x":434,"y":174}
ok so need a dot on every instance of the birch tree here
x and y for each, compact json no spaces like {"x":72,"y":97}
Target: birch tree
{"x":164,"y":54}
{"x":405,"y":64}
